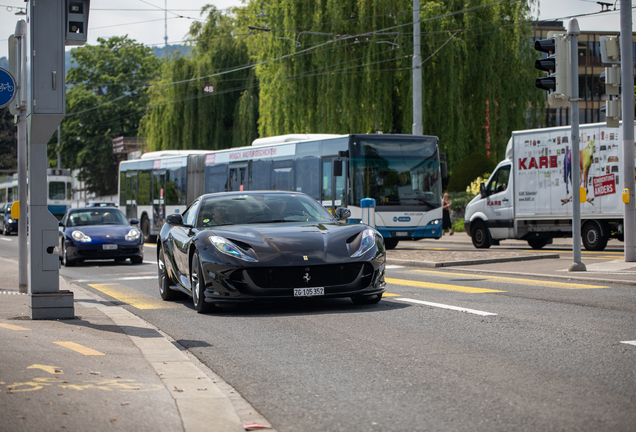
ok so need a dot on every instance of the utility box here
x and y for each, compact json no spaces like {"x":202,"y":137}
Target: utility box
{"x":46,"y":101}
{"x":76,"y":22}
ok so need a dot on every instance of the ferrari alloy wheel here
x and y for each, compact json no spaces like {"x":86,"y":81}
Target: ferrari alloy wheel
{"x":164,"y":279}
{"x":198,"y":288}
{"x":65,"y":261}
{"x":367,"y":300}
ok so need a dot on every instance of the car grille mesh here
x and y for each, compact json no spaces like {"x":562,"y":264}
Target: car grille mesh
{"x":309,"y":276}
{"x":107,"y":253}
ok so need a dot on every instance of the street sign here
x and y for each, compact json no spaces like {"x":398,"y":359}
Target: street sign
{"x":7,"y":88}
{"x":208,"y":89}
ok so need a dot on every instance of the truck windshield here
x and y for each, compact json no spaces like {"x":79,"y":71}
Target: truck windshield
{"x":396,"y":172}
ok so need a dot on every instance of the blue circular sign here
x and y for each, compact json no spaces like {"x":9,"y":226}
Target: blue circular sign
{"x":7,"y":88}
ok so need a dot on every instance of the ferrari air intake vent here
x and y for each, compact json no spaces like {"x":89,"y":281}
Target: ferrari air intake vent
{"x":309,"y":276}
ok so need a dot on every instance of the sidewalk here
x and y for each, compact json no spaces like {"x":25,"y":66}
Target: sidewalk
{"x":552,"y":261}
{"x":106,"y":369}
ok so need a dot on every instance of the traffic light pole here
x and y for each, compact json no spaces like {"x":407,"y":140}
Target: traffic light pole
{"x":573,"y":34}
{"x":418,"y":128}
{"x":627,"y":95}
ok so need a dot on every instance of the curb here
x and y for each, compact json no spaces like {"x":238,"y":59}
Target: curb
{"x":429,"y":264}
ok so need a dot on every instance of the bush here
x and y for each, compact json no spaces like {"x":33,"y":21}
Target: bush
{"x":468,"y":170}
{"x":458,"y":226}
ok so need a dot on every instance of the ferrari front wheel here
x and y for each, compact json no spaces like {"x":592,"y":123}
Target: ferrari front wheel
{"x":198,"y":287}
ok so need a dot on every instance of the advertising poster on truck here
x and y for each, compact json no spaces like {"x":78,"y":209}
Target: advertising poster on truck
{"x":543,"y":163}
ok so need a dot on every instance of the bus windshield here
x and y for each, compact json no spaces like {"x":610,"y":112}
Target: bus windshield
{"x":396,"y":172}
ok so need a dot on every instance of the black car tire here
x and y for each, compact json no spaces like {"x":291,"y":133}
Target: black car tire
{"x":537,"y":243}
{"x":65,"y":261}
{"x":145,"y":228}
{"x":593,"y":239}
{"x":367,"y":300}
{"x":390,"y":243}
{"x":136,"y":260}
{"x":198,"y":291}
{"x":480,"y":235}
{"x":164,"y":279}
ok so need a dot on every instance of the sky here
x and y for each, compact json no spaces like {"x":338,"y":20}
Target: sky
{"x":143,"y":20}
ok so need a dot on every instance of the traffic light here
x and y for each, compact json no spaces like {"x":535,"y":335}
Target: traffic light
{"x":557,"y":64}
{"x":610,"y":54}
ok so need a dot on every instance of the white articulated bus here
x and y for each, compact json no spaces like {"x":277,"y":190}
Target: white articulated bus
{"x":401,"y":172}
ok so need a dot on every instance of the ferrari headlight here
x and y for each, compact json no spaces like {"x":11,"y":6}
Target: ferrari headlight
{"x":228,"y":248}
{"x":80,"y":237}
{"x":368,"y":241}
{"x":133,"y":234}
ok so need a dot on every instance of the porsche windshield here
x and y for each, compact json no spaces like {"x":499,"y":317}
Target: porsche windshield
{"x":260,"y":208}
{"x":397,"y":172}
{"x":103,"y":216}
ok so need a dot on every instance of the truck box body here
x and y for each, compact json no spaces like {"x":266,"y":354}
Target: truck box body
{"x":529,"y":195}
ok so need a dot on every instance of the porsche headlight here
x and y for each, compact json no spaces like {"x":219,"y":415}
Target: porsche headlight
{"x":10,"y":220}
{"x":367,"y":243}
{"x":133,"y":234}
{"x":80,"y":237}
{"x":228,"y":248}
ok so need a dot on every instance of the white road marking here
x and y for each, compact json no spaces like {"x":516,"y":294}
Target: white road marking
{"x":5,"y":239}
{"x":393,"y":266}
{"x":629,"y":342}
{"x":443,"y":306}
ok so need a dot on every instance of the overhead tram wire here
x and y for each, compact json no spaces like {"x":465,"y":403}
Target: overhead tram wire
{"x":302,"y":52}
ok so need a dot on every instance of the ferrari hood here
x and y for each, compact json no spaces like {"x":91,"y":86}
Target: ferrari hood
{"x":295,"y":243}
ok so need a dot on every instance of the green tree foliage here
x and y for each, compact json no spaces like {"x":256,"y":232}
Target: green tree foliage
{"x":346,"y":66}
{"x":8,"y":148}
{"x":477,"y":164}
{"x":183,"y":117}
{"x":106,"y":98}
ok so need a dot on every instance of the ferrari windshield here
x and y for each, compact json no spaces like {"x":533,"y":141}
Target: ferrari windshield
{"x":235,"y":209}
{"x":101,"y":216}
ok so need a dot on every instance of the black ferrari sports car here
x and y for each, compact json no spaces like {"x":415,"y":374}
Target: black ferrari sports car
{"x":233,"y":247}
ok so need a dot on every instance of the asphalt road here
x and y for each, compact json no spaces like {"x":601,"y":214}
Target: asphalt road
{"x":523,"y":354}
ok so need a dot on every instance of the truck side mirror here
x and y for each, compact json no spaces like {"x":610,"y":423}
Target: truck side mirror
{"x":482,"y":190}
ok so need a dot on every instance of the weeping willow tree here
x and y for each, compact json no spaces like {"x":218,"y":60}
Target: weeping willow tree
{"x":346,"y":67}
{"x":181,"y":115}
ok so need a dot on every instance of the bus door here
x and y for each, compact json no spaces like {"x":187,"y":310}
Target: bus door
{"x":333,"y":183}
{"x":158,"y":199}
{"x":237,"y":177}
{"x":131,"y":195}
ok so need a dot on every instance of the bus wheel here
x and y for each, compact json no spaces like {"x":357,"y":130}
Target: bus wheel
{"x":145,"y":228}
{"x":390,"y":243}
{"x":593,"y":240}
{"x":480,"y":235}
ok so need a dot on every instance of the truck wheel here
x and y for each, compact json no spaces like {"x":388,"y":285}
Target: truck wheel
{"x":480,"y":235}
{"x":537,"y":243}
{"x":593,"y":240}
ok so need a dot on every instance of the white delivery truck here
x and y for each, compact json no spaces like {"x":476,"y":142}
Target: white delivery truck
{"x":529,"y":195}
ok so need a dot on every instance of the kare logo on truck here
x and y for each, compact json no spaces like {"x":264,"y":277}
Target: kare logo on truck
{"x":544,"y":162}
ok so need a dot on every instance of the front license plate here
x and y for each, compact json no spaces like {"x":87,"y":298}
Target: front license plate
{"x":401,"y":234}
{"x":309,"y":292}
{"x":109,"y":247}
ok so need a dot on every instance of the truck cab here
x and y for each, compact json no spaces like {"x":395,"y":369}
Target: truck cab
{"x":489,"y":216}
